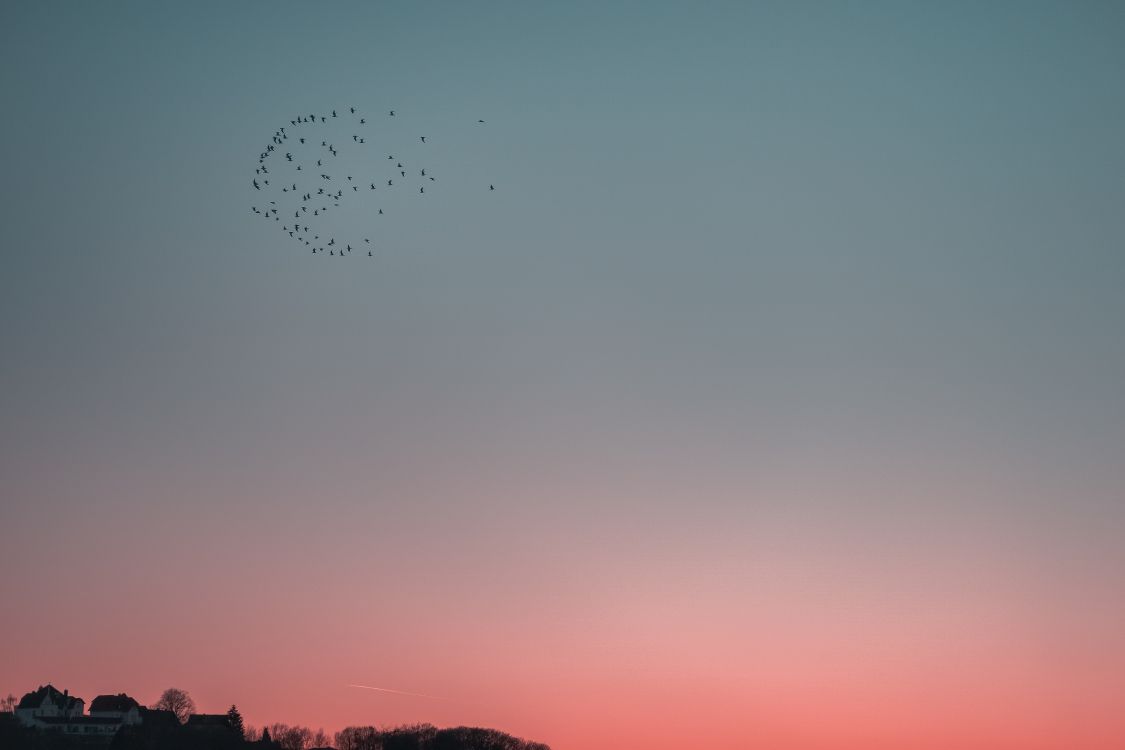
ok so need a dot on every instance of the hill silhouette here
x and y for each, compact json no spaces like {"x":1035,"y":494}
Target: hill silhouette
{"x":50,"y":719}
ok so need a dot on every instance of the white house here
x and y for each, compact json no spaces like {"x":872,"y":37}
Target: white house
{"x":48,"y":709}
{"x":48,"y":703}
{"x":119,"y":707}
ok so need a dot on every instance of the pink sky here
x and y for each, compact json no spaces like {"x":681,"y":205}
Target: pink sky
{"x":800,"y":628}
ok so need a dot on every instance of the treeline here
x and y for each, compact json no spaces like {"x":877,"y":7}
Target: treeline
{"x":14,"y":736}
{"x":429,"y":737}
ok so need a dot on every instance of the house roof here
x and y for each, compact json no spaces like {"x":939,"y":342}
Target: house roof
{"x":208,"y":720}
{"x":35,"y":699}
{"x":119,"y":702}
{"x":157,"y":717}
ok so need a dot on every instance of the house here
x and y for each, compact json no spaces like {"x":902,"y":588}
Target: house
{"x":155,"y":717}
{"x":51,"y":710}
{"x":48,"y":703}
{"x":209,"y":722}
{"x":120,"y":707}
{"x":87,"y":727}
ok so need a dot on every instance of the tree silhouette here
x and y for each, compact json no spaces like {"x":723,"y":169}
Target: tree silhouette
{"x":178,"y":702}
{"x":236,"y":722}
{"x":8,"y":704}
{"x":291,"y":738}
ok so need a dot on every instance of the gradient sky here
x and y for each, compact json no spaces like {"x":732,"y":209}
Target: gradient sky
{"x":775,"y":399}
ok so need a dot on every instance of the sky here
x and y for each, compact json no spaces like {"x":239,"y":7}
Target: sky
{"x":773,"y":399}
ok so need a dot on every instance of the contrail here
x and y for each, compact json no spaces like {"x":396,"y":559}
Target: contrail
{"x":397,"y":692}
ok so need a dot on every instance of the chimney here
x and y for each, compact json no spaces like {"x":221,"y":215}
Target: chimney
{"x":66,"y":692}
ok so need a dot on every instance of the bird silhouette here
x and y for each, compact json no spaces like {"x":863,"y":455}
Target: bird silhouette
{"x":295,"y":193}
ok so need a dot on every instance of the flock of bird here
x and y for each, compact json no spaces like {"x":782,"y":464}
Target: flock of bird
{"x":303,"y":152}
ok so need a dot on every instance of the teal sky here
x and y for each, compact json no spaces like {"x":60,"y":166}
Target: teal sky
{"x":763,"y":285}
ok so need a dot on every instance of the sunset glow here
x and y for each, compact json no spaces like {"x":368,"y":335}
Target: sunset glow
{"x":772,"y":398}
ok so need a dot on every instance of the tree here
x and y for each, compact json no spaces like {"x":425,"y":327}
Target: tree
{"x":178,"y":702}
{"x":8,"y":704}
{"x":291,"y":738}
{"x":236,"y":721}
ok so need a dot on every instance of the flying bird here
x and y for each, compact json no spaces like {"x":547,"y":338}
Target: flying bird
{"x":297,"y":159}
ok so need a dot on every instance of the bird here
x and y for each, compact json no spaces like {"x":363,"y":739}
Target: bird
{"x":300,"y":159}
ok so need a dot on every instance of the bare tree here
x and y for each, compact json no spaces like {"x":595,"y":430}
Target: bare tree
{"x":8,"y":704}
{"x":178,"y":702}
{"x":291,"y":738}
{"x":321,"y":739}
